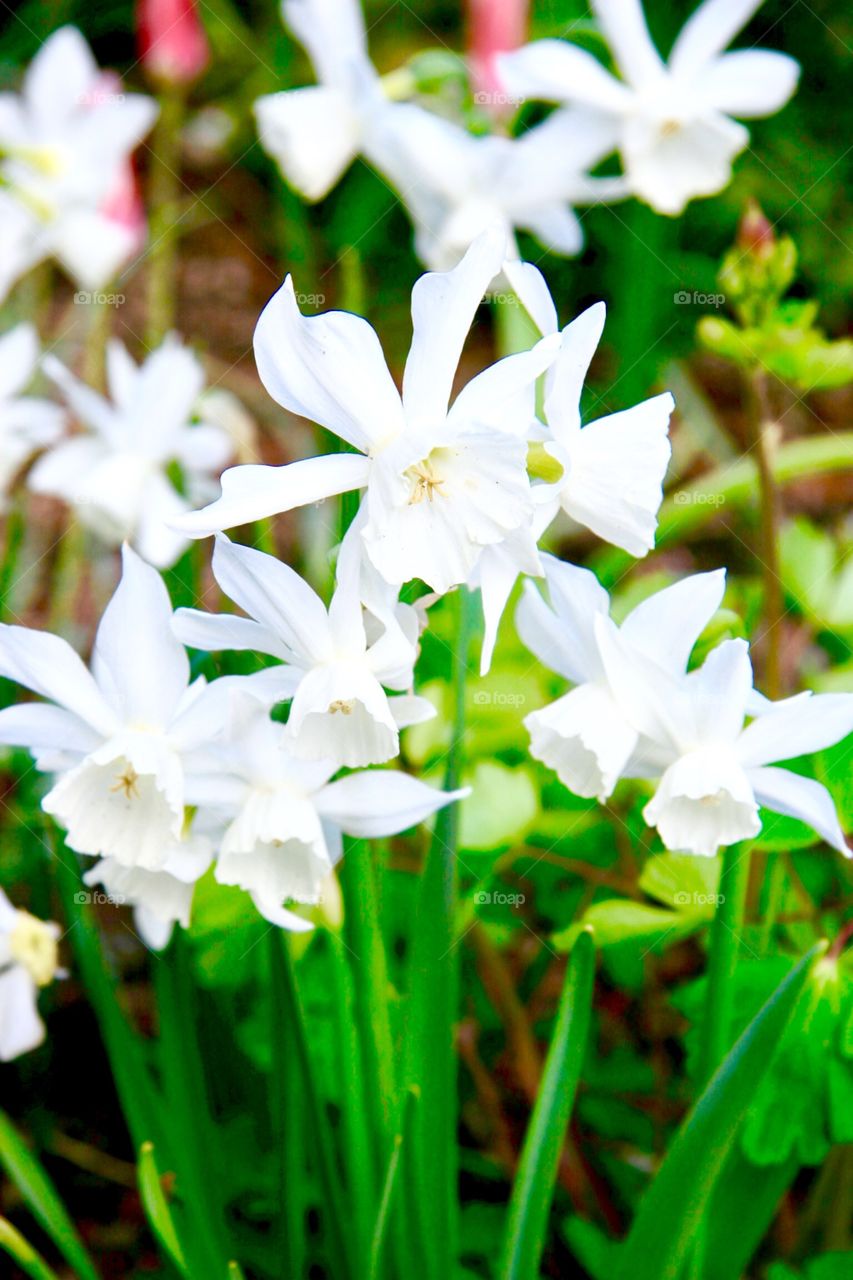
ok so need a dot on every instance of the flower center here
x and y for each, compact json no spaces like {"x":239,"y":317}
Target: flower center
{"x":33,"y":945}
{"x":126,"y":781}
{"x":344,"y":705}
{"x":425,"y":478}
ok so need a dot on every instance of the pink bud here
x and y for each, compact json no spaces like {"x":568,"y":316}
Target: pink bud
{"x":172,"y":44}
{"x":494,"y":26}
{"x":123,"y":205}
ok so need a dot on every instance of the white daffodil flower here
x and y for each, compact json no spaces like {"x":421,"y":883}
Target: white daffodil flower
{"x":613,"y":468}
{"x":713,"y":773}
{"x":160,"y":899}
{"x":28,"y":962}
{"x":315,"y":133}
{"x":671,"y":121}
{"x":587,"y":736}
{"x":64,"y":143}
{"x":443,"y":481}
{"x":27,"y":423}
{"x":456,"y":185}
{"x":115,"y":474}
{"x":117,"y":734}
{"x":285,"y":817}
{"x":337,"y":661}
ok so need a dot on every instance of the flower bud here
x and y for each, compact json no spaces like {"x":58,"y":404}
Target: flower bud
{"x":494,"y":26}
{"x":172,"y":44}
{"x":755,"y":233}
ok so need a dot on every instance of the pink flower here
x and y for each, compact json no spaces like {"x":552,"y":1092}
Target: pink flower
{"x":172,"y":43}
{"x":123,"y":206}
{"x":494,"y":27}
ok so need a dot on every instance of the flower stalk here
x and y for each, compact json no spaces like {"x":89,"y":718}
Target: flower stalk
{"x":726,"y":932}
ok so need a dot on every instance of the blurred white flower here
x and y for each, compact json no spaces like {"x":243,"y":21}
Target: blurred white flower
{"x":27,"y":423}
{"x":443,"y":481}
{"x":117,"y":735}
{"x":456,"y":185}
{"x":28,"y":962}
{"x":613,"y":468}
{"x":285,"y":818}
{"x":587,"y":736}
{"x":116,"y":473}
{"x":671,"y":121}
{"x":315,"y":133}
{"x":713,"y":772}
{"x":64,"y":145}
{"x":337,"y":661}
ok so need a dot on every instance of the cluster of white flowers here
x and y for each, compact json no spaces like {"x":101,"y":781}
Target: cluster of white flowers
{"x":120,"y":469}
{"x":65,"y":146}
{"x":669,"y":122}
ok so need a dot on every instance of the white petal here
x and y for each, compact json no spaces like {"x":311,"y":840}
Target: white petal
{"x":91,"y":247}
{"x":503,"y":396}
{"x":531,"y":288}
{"x":253,"y":492}
{"x":554,"y":71}
{"x":155,"y":537}
{"x":59,"y":77}
{"x":797,"y":727}
{"x":408,"y":709}
{"x":614,"y":483}
{"x":21,"y":1028}
{"x":666,"y":626}
{"x":332,"y":31}
{"x":19,"y":350}
{"x":87,"y":405}
{"x":584,"y":738}
{"x":624,"y":25}
{"x":328,"y":368}
{"x":63,"y":471}
{"x":803,"y":798}
{"x":704,"y":802}
{"x":555,"y":226}
{"x":50,"y":667}
{"x":566,"y":378}
{"x":140,"y":666}
{"x":39,"y":726}
{"x":708,"y":30}
{"x":443,"y":307}
{"x":381,"y":802}
{"x":749,"y":83}
{"x":215,"y":632}
{"x":275,"y":596}
{"x":313,"y":134}
{"x":719,"y":690}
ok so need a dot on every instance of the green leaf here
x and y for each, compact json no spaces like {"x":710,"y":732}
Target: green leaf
{"x":389,"y":1184}
{"x":157,"y":1209}
{"x":501,"y":808}
{"x":675,"y":1207}
{"x":42,"y":1199}
{"x":30,"y":1262}
{"x":533,"y":1189}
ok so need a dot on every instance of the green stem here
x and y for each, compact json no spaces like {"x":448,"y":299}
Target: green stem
{"x":765,"y":431}
{"x":715,"y":1036}
{"x":163,"y":194}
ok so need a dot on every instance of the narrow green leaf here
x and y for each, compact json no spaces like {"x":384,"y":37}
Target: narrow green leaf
{"x":292,"y":1023}
{"x":30,"y":1262}
{"x":744,"y":1204}
{"x":533,"y":1189}
{"x":674,"y":1207}
{"x":235,"y":1271}
{"x":389,"y":1186}
{"x":25,"y":1170}
{"x":157,"y":1209}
